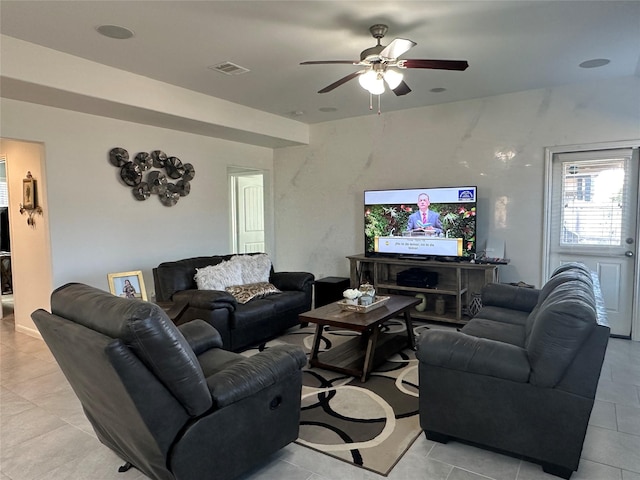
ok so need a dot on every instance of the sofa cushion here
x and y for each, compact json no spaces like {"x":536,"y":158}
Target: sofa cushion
{"x":495,"y":330}
{"x":465,"y":353}
{"x":289,"y":301}
{"x":219,"y":277}
{"x":253,"y":313}
{"x":510,"y":297}
{"x":563,"y":322}
{"x":244,"y":293}
{"x":573,"y":266}
{"x":253,"y":268}
{"x":504,"y":315}
{"x":577,"y":277}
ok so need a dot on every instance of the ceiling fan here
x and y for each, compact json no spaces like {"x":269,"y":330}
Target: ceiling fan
{"x":380,"y":64}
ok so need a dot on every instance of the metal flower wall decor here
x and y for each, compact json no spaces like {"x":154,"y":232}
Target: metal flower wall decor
{"x":157,"y":181}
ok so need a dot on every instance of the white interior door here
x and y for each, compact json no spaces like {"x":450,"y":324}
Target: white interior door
{"x":250,"y":226}
{"x":593,"y":220}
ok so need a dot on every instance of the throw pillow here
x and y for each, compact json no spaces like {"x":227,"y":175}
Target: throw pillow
{"x":218,"y":277}
{"x":244,"y":293}
{"x":255,"y":268}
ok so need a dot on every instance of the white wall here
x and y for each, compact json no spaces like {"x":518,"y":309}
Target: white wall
{"x":96,"y":226}
{"x":319,"y":187}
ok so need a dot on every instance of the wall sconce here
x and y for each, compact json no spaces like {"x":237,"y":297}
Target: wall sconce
{"x":30,"y":200}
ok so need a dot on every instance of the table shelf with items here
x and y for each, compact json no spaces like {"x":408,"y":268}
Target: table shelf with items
{"x":451,"y":312}
{"x":447,"y":288}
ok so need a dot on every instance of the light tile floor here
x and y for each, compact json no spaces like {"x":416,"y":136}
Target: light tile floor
{"x":44,"y":434}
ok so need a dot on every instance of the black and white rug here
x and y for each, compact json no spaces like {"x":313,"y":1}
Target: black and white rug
{"x":370,"y":424}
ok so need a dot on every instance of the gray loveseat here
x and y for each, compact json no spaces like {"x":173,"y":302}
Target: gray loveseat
{"x":521,"y":376}
{"x":240,"y":324}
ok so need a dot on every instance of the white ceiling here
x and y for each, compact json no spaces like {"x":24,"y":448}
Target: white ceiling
{"x":510,"y":45}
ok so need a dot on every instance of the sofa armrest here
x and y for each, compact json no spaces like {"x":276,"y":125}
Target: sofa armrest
{"x":292,"y":280}
{"x":207,"y":299}
{"x":510,"y":296}
{"x":250,"y":375}
{"x":482,"y":356}
{"x":200,"y":335}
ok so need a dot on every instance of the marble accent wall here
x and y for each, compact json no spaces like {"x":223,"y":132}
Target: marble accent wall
{"x":496,"y":143}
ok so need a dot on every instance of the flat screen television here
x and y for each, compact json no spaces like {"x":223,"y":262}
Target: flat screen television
{"x":421,"y":223}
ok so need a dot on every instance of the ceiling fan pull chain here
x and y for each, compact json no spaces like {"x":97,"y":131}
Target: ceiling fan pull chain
{"x":370,"y":101}
{"x":379,"y":104}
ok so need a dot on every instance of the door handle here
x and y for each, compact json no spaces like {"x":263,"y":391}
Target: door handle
{"x":628,"y":253}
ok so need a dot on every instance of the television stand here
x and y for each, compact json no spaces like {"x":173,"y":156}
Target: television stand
{"x":457,"y":283}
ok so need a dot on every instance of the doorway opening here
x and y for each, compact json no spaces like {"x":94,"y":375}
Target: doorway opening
{"x":6,"y":278}
{"x":247,"y":210}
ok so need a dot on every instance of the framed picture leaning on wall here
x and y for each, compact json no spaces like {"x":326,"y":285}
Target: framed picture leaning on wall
{"x":127,"y":284}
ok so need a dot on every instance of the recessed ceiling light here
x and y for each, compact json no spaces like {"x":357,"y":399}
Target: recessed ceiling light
{"x":115,"y":31}
{"x":595,"y":63}
{"x":328,"y":109}
{"x":438,"y":90}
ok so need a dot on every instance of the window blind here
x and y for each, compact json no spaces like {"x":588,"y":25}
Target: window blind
{"x":595,"y":192}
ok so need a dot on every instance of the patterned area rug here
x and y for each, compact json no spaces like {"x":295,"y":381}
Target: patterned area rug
{"x":370,"y":424}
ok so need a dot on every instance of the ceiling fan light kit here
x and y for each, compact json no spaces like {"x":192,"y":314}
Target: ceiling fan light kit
{"x":379,"y":63}
{"x":393,"y":78}
{"x":372,"y":82}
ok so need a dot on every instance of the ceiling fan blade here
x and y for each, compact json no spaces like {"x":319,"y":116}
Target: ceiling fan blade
{"x":435,"y":64}
{"x":329,"y":62}
{"x":341,"y":81}
{"x":401,"y":89}
{"x":397,"y":48}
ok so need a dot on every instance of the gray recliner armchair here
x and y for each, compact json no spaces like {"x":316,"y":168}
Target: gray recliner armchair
{"x":169,"y":400}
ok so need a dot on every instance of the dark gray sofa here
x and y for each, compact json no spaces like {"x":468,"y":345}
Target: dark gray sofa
{"x":169,"y":400}
{"x":240,"y":325}
{"x":521,"y":376}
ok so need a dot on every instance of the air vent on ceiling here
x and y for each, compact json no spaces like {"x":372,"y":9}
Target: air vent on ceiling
{"x":229,"y":68}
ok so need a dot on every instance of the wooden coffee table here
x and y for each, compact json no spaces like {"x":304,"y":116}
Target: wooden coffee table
{"x":360,"y":354}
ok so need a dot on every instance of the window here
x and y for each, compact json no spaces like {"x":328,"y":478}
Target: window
{"x":4,"y":192}
{"x":592,"y":193}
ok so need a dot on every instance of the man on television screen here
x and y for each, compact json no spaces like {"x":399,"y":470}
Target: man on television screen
{"x":424,"y":220}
